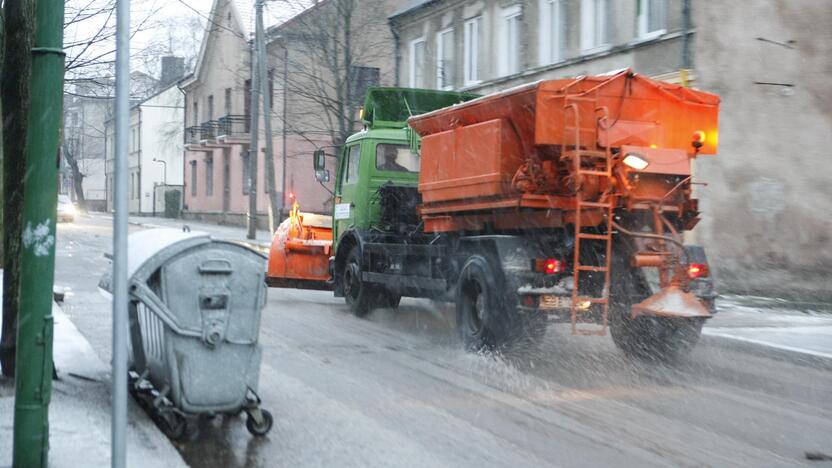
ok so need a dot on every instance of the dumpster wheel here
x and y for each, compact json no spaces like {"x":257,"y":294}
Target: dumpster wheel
{"x":263,"y":427}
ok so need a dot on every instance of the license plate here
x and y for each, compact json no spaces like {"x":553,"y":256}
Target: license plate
{"x":549,"y":301}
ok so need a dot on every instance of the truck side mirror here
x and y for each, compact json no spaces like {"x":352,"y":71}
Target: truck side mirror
{"x":322,"y":175}
{"x":319,"y":160}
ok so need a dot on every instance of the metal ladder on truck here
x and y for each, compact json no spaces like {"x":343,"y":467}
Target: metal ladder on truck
{"x":584,"y":302}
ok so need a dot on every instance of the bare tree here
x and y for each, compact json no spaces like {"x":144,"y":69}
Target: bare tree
{"x":89,"y":68}
{"x":330,"y":55}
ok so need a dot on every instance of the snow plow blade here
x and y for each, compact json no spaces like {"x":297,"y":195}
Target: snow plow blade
{"x":300,"y":250}
{"x":671,"y":302}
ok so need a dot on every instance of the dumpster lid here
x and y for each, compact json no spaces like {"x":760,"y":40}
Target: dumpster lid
{"x":155,"y":246}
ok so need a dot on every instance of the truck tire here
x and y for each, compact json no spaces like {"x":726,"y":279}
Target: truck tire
{"x":486,"y":312}
{"x":647,"y":338}
{"x":359,"y":296}
{"x":478,"y":305}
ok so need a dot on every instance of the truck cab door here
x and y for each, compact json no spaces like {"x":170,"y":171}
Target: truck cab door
{"x":347,"y":190}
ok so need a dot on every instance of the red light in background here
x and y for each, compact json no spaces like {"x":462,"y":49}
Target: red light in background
{"x":698,"y":270}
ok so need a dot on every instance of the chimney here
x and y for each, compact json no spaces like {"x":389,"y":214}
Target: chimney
{"x":173,"y":68}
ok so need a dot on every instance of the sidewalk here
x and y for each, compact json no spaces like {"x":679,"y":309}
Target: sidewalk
{"x":79,"y":413}
{"x":232,"y":233}
{"x":790,"y":331}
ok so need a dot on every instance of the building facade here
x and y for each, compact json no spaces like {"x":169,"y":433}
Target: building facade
{"x":767,"y":203}
{"x":155,"y":151}
{"x":217,"y":121}
{"x":322,"y":61}
{"x":314,"y":103}
{"x":87,"y":106}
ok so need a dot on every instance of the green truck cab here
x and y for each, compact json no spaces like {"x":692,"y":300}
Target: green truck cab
{"x":384,"y":152}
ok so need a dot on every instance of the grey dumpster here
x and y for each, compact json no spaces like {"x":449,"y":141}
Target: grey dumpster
{"x":194,"y":309}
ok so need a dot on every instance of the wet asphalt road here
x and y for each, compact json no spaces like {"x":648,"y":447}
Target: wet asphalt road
{"x":396,"y":389}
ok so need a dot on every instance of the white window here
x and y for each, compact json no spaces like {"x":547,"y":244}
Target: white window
{"x":417,"y":63}
{"x":472,"y":51}
{"x":445,"y":59}
{"x":651,"y":18}
{"x":509,"y":59}
{"x":594,"y":25}
{"x":552,"y":31}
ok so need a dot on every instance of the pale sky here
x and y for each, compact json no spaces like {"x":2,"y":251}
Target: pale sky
{"x":171,"y":26}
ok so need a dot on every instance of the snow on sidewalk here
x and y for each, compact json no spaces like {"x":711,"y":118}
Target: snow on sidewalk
{"x":79,"y":411}
{"x":774,"y":325}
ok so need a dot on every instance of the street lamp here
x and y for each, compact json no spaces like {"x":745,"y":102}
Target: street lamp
{"x":164,"y":170}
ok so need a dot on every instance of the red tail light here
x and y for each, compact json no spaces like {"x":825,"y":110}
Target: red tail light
{"x":550,"y":266}
{"x":698,"y":270}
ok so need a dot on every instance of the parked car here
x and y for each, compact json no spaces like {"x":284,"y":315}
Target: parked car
{"x":66,"y":209}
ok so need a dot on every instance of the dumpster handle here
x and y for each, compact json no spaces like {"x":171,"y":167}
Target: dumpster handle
{"x":216,"y":266}
{"x":152,"y":301}
{"x":146,"y":295}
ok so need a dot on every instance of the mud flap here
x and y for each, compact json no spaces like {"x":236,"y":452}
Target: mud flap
{"x":671,"y":302}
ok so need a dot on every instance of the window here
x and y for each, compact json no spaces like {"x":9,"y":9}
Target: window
{"x":196,"y":114}
{"x":209,"y":176}
{"x":132,"y":184}
{"x":362,"y":79}
{"x":509,"y":56}
{"x":193,"y":178}
{"x":472,"y":51}
{"x":247,"y":104}
{"x":651,"y":18}
{"x":552,"y":31}
{"x":417,"y":63}
{"x":397,"y":158}
{"x":228,"y":101}
{"x":445,"y":59}
{"x":246,"y":173}
{"x":594,"y":25}
{"x":211,"y":107}
{"x":353,"y":156}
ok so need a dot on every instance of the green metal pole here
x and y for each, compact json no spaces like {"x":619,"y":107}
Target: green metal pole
{"x":34,"y":330}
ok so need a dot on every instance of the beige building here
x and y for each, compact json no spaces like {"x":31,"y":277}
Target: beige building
{"x":323,"y":60}
{"x":320,"y":62}
{"x":767,"y":205}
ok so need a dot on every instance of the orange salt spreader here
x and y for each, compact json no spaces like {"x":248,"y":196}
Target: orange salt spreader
{"x":299,"y":254}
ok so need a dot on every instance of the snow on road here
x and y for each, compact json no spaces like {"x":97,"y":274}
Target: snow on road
{"x":396,"y":389}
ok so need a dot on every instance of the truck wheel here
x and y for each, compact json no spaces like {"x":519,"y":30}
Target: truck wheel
{"x":648,"y":338}
{"x":360,"y":296}
{"x":478,"y":305}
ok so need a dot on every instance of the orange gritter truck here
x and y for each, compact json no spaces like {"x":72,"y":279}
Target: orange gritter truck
{"x":561,"y":200}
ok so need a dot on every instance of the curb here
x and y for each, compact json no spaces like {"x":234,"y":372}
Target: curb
{"x":781,"y":353}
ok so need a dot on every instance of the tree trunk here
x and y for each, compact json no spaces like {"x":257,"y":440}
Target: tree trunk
{"x":77,"y":178}
{"x":14,"y":88}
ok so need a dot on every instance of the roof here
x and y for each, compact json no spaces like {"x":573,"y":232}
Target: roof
{"x":243,"y":13}
{"x":411,"y":6}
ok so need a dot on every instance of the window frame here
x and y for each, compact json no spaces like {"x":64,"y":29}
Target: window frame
{"x":552,"y":43}
{"x":398,"y":145}
{"x":209,"y":176}
{"x":414,"y":67}
{"x":643,"y":21}
{"x":505,"y":67}
{"x":349,"y":153}
{"x":471,"y":48}
{"x":440,"y":58}
{"x":596,"y":39}
{"x":193,"y":178}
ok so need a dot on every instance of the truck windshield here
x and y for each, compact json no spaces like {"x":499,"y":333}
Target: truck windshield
{"x":397,"y":158}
